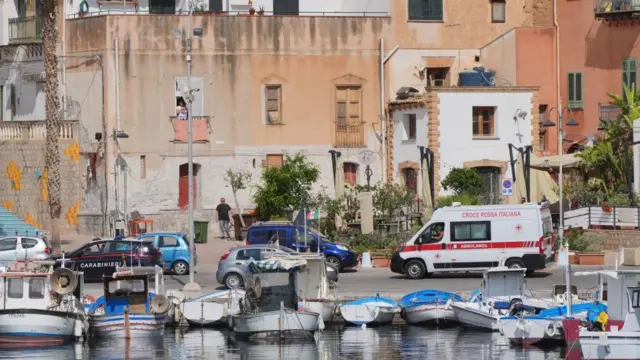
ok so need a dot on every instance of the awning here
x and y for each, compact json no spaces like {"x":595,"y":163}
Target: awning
{"x":541,"y":185}
{"x":546,"y":163}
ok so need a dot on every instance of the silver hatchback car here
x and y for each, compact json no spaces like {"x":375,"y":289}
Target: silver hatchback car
{"x":231,"y":269}
{"x":14,"y":248}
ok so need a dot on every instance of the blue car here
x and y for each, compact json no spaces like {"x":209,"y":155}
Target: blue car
{"x":293,"y":236}
{"x":175,"y":250}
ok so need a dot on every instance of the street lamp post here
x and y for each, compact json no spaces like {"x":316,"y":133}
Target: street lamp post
{"x":116,"y":136}
{"x":192,"y":285}
{"x":549,"y":123}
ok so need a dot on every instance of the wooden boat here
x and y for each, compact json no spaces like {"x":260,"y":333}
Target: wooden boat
{"x":428,"y":307}
{"x":128,"y":309}
{"x":40,"y":306}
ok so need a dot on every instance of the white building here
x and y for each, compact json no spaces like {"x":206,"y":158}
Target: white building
{"x":465,"y":127}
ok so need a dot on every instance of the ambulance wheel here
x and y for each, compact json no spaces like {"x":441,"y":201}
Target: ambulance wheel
{"x":415,"y":269}
{"x":515,"y":264}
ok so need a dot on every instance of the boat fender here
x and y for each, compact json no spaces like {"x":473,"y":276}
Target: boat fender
{"x":77,"y":329}
{"x":551,"y":329}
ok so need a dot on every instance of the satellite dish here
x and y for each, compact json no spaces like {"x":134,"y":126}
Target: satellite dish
{"x":63,"y":281}
{"x":366,"y":157}
{"x":159,"y":304}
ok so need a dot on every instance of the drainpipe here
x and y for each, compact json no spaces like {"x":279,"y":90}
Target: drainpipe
{"x":383,"y":115}
{"x":559,"y":97}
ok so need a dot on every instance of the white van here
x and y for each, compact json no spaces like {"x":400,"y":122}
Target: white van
{"x":475,"y":238}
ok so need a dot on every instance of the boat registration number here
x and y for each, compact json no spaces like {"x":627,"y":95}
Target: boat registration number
{"x":16,"y":315}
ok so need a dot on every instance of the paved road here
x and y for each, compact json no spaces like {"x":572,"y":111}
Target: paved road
{"x":365,"y":282}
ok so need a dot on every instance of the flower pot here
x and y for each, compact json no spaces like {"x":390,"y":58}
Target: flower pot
{"x":380,"y":261}
{"x":590,"y":258}
{"x":606,"y":209}
{"x":252,"y":11}
{"x":573,"y":259}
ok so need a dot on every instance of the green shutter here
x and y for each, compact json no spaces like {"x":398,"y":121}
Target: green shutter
{"x":575,"y":87}
{"x":629,"y":72}
{"x":571,"y":88}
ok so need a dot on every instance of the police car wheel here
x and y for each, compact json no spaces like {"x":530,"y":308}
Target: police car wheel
{"x":415,"y":269}
{"x":180,"y":267}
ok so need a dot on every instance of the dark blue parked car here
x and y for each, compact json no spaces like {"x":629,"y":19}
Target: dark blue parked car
{"x":293,"y":236}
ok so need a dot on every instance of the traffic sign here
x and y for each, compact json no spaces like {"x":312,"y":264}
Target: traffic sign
{"x":507,"y":187}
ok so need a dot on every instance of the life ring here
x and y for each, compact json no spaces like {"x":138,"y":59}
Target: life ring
{"x":83,"y":8}
{"x":551,"y":329}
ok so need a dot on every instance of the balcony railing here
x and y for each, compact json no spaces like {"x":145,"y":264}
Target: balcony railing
{"x":349,"y":136}
{"x":24,"y":30}
{"x":200,"y":131}
{"x":170,"y":10}
{"x":616,"y":8}
{"x":35,"y":130}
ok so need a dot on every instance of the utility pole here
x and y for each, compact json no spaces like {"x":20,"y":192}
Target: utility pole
{"x":192,"y":285}
{"x":116,"y":165}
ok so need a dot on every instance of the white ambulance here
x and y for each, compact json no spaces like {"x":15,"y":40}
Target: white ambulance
{"x":475,"y":238}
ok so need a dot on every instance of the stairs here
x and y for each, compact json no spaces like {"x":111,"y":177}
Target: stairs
{"x":12,"y":225}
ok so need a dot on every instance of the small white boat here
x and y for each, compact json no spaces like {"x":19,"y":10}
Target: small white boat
{"x":428,"y":307}
{"x":370,"y":311}
{"x":40,"y":306}
{"x":127,"y":309}
{"x":213,"y":308}
{"x":619,"y":342}
{"x":502,"y":291}
{"x":313,"y":288}
{"x":283,"y":323}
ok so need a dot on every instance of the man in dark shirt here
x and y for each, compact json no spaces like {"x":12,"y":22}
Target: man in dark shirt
{"x":223,"y":210}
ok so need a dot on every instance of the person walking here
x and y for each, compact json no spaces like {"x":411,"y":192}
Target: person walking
{"x":224,"y":210}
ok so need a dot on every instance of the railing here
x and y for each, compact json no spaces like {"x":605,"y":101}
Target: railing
{"x":170,"y":11}
{"x":35,"y":130}
{"x":605,"y":8}
{"x":349,"y":136}
{"x":596,"y":216}
{"x":25,"y":30}
{"x":200,"y":131}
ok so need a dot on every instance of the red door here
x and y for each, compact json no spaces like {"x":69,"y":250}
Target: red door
{"x":183,"y":186}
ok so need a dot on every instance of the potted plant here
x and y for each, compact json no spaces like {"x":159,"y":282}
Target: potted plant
{"x":605,"y":206}
{"x":261,"y":11}
{"x":380,"y":260}
{"x":590,"y":254}
{"x":252,"y":10}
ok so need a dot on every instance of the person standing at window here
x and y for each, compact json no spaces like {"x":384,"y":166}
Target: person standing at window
{"x":223,"y":210}
{"x":181,"y":110}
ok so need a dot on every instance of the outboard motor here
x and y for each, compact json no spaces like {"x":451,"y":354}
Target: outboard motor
{"x":516,"y":306}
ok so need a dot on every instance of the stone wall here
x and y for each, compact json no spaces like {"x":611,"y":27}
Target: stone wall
{"x":23,"y":188}
{"x":617,"y":239}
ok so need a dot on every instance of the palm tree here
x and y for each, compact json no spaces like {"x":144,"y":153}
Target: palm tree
{"x":52,"y":122}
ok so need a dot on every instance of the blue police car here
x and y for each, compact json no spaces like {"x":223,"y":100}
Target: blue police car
{"x":293,"y":236}
{"x":175,"y":250}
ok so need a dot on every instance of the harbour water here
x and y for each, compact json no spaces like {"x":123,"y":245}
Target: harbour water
{"x":397,"y":342}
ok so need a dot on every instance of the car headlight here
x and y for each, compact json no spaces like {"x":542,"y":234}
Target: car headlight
{"x":342,"y":247}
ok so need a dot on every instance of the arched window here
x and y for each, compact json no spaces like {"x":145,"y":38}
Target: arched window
{"x":410,"y":176}
{"x":350,"y":173}
{"x":183,"y":186}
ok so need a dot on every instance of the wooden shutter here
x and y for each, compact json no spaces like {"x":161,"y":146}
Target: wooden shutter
{"x":350,"y":173}
{"x":273,"y":95}
{"x":571,"y":85}
{"x":275,"y":160}
{"x":341,"y":106}
{"x":354,"y":106}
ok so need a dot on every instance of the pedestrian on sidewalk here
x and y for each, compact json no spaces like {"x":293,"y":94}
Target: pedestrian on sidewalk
{"x":224,"y":210}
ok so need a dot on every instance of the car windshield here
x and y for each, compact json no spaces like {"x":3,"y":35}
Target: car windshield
{"x":319,"y":234}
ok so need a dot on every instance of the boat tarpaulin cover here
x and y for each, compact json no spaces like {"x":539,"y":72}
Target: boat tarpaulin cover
{"x":275,"y":265}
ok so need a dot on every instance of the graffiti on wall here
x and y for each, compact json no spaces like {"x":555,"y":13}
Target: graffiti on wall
{"x":73,"y":152}
{"x":15,"y":175}
{"x":8,"y":205}
{"x":72,"y":214}
{"x":44,"y":190}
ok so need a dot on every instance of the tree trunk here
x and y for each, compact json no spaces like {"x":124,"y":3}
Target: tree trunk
{"x":52,"y":106}
{"x":235,"y":198}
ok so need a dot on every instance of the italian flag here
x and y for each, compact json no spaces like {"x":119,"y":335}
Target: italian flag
{"x":313,"y":215}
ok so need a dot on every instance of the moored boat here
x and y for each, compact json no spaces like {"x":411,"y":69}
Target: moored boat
{"x":428,"y":307}
{"x":40,"y":306}
{"x":127,"y":309}
{"x":374,"y":310}
{"x":213,"y":308}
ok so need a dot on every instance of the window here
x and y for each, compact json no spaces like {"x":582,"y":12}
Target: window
{"x":286,"y":7}
{"x":275,"y":160}
{"x":249,"y":254}
{"x":127,"y":286}
{"x":433,"y":234}
{"x":547,"y":227}
{"x":36,"y":288}
{"x":162,"y":6}
{"x":39,"y":101}
{"x":483,"y":121}
{"x":143,"y":167}
{"x":635,"y":299}
{"x":630,"y":72}
{"x":8,"y":244}
{"x":148,"y":238}
{"x":15,"y":288}
{"x":438,"y":76}
{"x":348,"y":106}
{"x":542,"y":136}
{"x":215,"y":6}
{"x":410,"y":126}
{"x":279,"y":236}
{"x":492,"y":191}
{"x":273,"y":104}
{"x":299,"y":238}
{"x":471,"y":231}
{"x":121,"y":246}
{"x":410,"y":179}
{"x":430,"y":10}
{"x":28,"y":243}
{"x":95,"y":249}
{"x":197,"y":105}
{"x":183,"y":185}
{"x":350,"y":173}
{"x":498,"y":11}
{"x":575,"y":88}
{"x":168,"y":241}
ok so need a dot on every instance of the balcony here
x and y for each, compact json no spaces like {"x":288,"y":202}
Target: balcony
{"x":35,"y":130}
{"x":349,"y":136}
{"x":616,"y":9}
{"x":25,"y":30}
{"x":200,"y":129}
